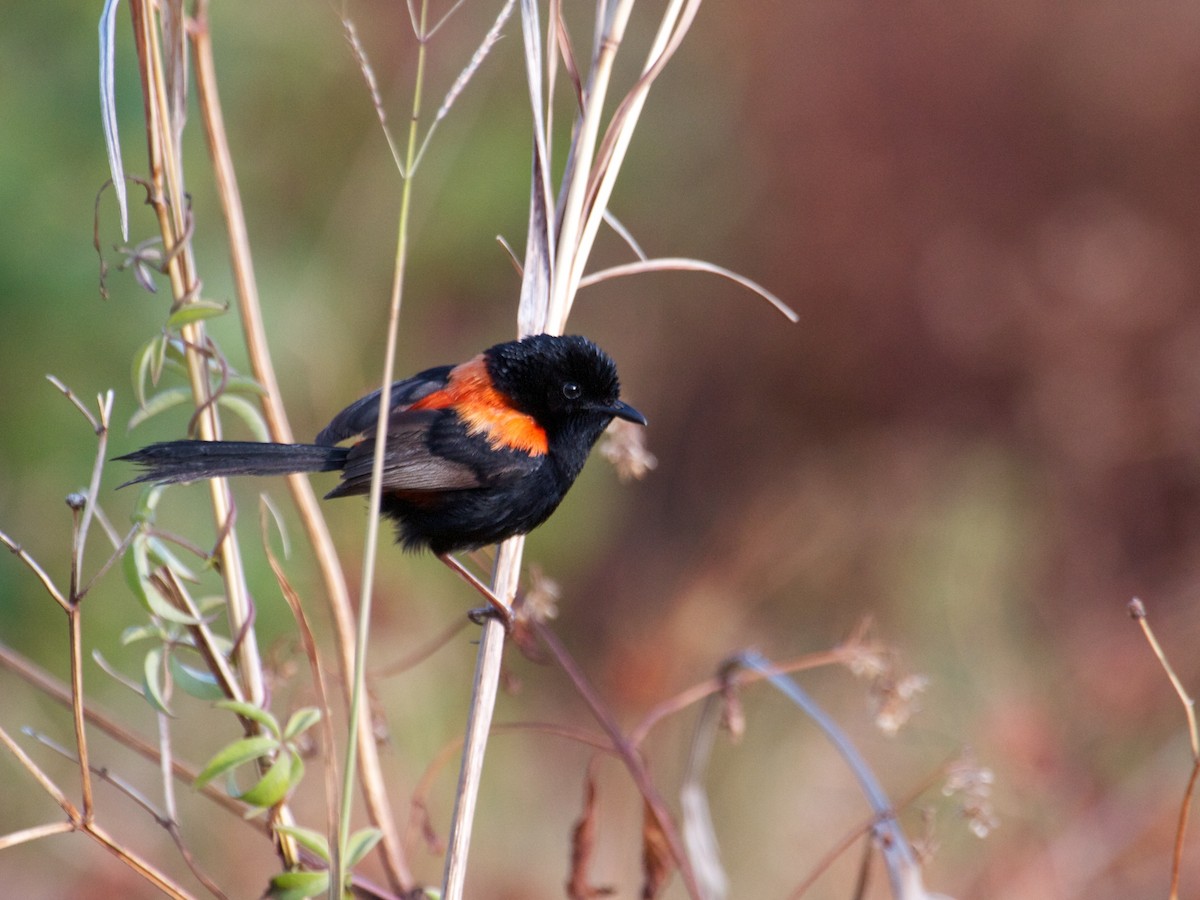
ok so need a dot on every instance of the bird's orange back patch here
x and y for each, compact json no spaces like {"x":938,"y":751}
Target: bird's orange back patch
{"x":486,"y":411}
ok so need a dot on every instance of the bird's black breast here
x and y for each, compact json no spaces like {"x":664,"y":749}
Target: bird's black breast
{"x":516,"y":492}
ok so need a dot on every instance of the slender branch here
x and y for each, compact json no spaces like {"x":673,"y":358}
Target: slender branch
{"x":626,"y":750}
{"x":1137,"y":609}
{"x":698,"y":692}
{"x":105,"y":403}
{"x":37,"y":570}
{"x":170,"y":205}
{"x":40,"y":776}
{"x":61,"y":693}
{"x":902,"y":867}
{"x":317,"y":672}
{"x":75,"y":639}
{"x":159,"y":879}
{"x":358,"y":734}
{"x":34,"y":833}
{"x":422,"y":653}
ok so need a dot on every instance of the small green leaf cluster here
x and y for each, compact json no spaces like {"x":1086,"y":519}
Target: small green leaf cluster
{"x":299,"y":883}
{"x":277,"y":747}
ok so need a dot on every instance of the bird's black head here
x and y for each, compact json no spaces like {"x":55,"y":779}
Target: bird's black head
{"x":567,"y":383}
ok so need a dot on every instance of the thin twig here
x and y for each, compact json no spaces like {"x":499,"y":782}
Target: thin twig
{"x":358,"y":734}
{"x":75,"y":640}
{"x":36,"y":569}
{"x":170,"y":206}
{"x":903,"y":871}
{"x":317,"y":672}
{"x":505,"y":578}
{"x":32,"y":834}
{"x":706,"y":688}
{"x":40,"y":776}
{"x":159,"y":879}
{"x":422,"y":653}
{"x":683,"y":264}
{"x":61,"y":693}
{"x":626,"y":750}
{"x":1137,"y":609}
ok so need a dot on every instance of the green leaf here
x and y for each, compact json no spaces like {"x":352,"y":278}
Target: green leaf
{"x":298,"y":885}
{"x":300,"y":721}
{"x":307,"y":838}
{"x":360,"y":844}
{"x":284,"y":773}
{"x":243,"y":384}
{"x":147,"y":502}
{"x":152,"y":680}
{"x":199,"y":683}
{"x":196,"y":311}
{"x":246,"y":411}
{"x":255,"y":714}
{"x":160,"y":402}
{"x":138,"y":568}
{"x":135,"y":633}
{"x":233,"y":755}
{"x":162,"y":554}
{"x":147,"y":366}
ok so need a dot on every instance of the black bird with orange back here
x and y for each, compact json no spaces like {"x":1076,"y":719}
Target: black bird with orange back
{"x":475,"y":454}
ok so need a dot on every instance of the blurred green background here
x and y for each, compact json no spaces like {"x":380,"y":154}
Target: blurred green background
{"x":983,"y":433}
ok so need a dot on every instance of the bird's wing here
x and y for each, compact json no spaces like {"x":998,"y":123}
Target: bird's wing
{"x":362,"y":416}
{"x":429,"y":451}
{"x":409,"y":464}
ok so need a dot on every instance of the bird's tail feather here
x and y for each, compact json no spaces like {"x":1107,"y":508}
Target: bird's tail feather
{"x":173,"y":462}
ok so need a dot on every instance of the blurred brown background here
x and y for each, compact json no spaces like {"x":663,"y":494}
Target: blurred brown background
{"x":983,"y":433}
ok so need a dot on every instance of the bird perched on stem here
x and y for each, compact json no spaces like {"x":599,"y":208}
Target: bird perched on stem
{"x":475,"y":453}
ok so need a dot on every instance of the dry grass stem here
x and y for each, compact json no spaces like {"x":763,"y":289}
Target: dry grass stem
{"x":32,"y":564}
{"x":317,"y":670}
{"x":169,"y":201}
{"x":1137,"y":610}
{"x":333,"y":578}
{"x":718,"y":683}
{"x":682,"y":264}
{"x":628,"y":753}
{"x":34,"y":833}
{"x":904,"y":872}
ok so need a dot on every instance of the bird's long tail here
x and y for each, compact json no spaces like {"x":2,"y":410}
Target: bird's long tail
{"x":173,"y":462}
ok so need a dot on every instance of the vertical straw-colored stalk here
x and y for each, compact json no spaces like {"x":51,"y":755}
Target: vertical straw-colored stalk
{"x":170,"y":203}
{"x":337,"y":593}
{"x":375,"y":497}
{"x":505,"y":577}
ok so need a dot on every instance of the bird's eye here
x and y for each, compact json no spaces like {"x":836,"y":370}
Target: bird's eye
{"x":571,"y":390}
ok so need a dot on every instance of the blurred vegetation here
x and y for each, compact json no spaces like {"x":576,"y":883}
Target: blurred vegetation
{"x":983,"y":433}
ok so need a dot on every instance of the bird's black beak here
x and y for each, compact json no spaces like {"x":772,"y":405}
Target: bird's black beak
{"x":623,"y":410}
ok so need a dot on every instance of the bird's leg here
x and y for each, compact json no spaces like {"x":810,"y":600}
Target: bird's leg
{"x":497,"y":608}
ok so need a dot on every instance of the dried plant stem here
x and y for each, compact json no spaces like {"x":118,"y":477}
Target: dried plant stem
{"x":698,"y":692}
{"x":627,"y":751}
{"x":56,"y":690}
{"x":505,"y":577}
{"x":333,"y":578}
{"x":357,"y":733}
{"x":1137,"y":610}
{"x":159,"y":879}
{"x":170,"y":202}
{"x":34,"y":833}
{"x":79,"y":822}
{"x":75,"y":639}
{"x":903,"y":871}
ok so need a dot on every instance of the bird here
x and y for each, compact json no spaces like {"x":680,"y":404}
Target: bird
{"x":475,"y":453}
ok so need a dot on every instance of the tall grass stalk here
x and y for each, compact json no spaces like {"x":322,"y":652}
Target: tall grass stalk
{"x":371,"y":547}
